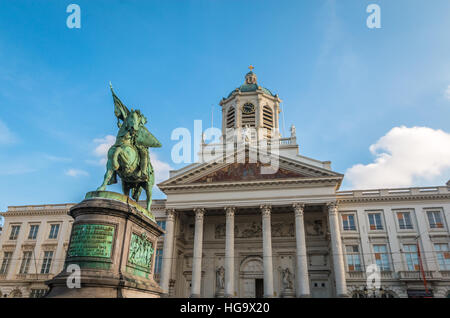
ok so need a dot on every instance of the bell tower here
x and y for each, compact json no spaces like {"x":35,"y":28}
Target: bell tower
{"x":251,"y":106}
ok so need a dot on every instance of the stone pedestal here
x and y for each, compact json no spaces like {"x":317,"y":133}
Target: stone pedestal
{"x":113,"y":244}
{"x":220,"y":293}
{"x":288,"y":293}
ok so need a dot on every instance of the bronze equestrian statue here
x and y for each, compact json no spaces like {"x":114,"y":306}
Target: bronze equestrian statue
{"x":129,"y":156}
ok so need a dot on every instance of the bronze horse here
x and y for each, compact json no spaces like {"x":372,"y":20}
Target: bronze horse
{"x":129,"y":157}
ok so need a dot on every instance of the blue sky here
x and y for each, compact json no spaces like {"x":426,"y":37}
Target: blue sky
{"x":344,"y":86}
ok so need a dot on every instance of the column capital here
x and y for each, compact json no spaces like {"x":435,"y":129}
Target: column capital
{"x":265,"y":209}
{"x":199,"y":213}
{"x":229,"y":210}
{"x":299,"y":207}
{"x":170,"y":214}
{"x":332,"y":207}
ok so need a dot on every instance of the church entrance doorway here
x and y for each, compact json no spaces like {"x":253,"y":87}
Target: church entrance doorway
{"x":251,"y":277}
{"x":259,"y":288}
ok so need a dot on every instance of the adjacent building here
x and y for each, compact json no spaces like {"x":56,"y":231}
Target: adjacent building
{"x":33,"y":246}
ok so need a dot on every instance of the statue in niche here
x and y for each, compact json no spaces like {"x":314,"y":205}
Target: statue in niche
{"x":286,"y":279}
{"x":220,"y":278}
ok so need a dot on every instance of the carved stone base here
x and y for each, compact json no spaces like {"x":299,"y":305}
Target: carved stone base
{"x":111,"y":252}
{"x":220,"y":293}
{"x":288,"y":293}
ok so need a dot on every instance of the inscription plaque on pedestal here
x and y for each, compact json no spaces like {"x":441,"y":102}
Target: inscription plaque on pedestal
{"x":91,"y":240}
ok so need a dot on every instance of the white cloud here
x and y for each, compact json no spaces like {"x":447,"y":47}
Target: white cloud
{"x":161,"y":168}
{"x":404,"y":157}
{"x":447,"y":93}
{"x":6,"y":136}
{"x":76,"y":173}
{"x":101,"y":150}
{"x":15,"y":169}
{"x":56,"y":158}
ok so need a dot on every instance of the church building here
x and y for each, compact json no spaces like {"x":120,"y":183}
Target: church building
{"x":255,"y":218}
{"x":236,"y":228}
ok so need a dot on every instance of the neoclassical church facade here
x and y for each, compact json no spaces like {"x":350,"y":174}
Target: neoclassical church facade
{"x":254,"y":218}
{"x":234,"y":229}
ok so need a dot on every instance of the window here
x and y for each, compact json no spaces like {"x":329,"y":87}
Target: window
{"x":268,"y":121}
{"x":26,"y":260}
{"x":33,"y":232}
{"x":353,"y":258}
{"x":37,"y":293}
{"x":54,"y":229}
{"x":5,"y":264}
{"x":158,"y":260}
{"x":434,"y":218}
{"x":381,"y":257}
{"x":404,"y":220}
{"x":162,"y":224}
{"x":443,"y":256}
{"x":230,"y":117}
{"x":412,"y":259}
{"x":348,"y":222}
{"x":375,"y":221}
{"x":48,"y":255}
{"x":14,"y":232}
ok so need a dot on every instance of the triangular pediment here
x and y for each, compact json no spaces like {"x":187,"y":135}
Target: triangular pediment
{"x":217,"y":172}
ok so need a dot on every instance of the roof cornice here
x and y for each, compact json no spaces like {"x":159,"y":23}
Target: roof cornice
{"x":254,"y":184}
{"x":394,"y":198}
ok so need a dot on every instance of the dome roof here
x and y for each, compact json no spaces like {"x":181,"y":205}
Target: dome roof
{"x":251,"y":85}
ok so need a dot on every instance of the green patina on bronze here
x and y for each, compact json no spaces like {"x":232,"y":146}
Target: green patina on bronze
{"x":93,"y":265}
{"x":129,"y":156}
{"x":140,"y":255}
{"x":91,"y":240}
{"x":119,"y":197}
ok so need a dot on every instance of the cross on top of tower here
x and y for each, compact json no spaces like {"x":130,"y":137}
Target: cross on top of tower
{"x":251,"y":68}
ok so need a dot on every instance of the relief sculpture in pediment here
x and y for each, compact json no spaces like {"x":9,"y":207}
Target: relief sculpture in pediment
{"x":246,"y":172}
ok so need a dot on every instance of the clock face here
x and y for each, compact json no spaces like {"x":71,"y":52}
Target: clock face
{"x":248,"y":108}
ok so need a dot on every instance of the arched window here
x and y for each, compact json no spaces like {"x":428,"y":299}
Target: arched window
{"x":230,"y":117}
{"x":268,"y":120}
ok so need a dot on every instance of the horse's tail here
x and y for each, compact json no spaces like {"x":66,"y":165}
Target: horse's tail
{"x":151,"y":174}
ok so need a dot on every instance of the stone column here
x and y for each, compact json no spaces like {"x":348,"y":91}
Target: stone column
{"x":336,"y":246}
{"x":167,"y":251}
{"x":302,"y":261}
{"x":267,"y":251}
{"x":198,"y":250}
{"x":229,"y":252}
